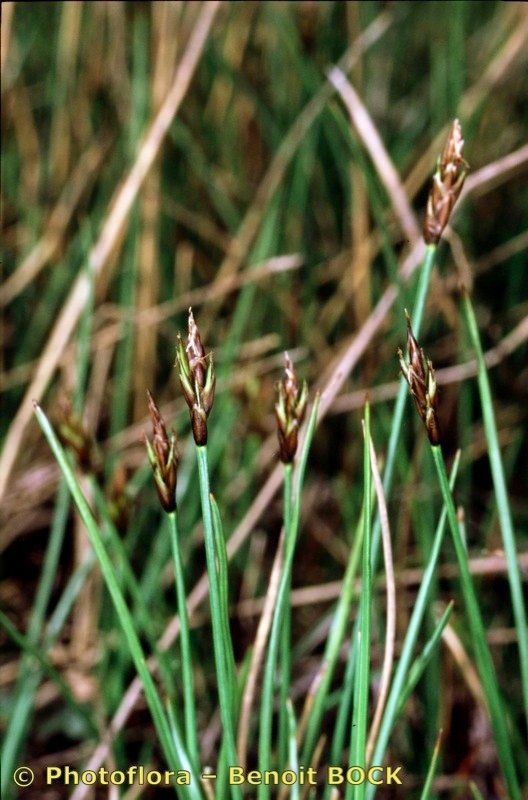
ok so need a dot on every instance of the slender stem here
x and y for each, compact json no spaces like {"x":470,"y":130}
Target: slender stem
{"x":266,"y":708}
{"x":343,"y":711}
{"x":191,"y":733}
{"x":285,"y":645}
{"x":432,"y":768}
{"x":361,"y":685}
{"x":397,"y":419}
{"x":334,"y":641}
{"x":390,"y":625}
{"x":288,"y":475}
{"x":222,"y":561}
{"x":422,"y":660}
{"x":293,"y":755}
{"x":403,"y":391}
{"x":183,"y":756}
{"x":501,"y":493}
{"x":220,"y":653}
{"x":478,"y":635}
{"x":398,"y":682}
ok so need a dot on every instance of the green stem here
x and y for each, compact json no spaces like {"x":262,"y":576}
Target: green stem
{"x":293,"y":756}
{"x":398,"y":682}
{"x":418,"y":667}
{"x":183,"y":757}
{"x":397,"y":417}
{"x":425,"y":795}
{"x":266,"y":708}
{"x":501,"y":493}
{"x":191,"y":733}
{"x":219,"y":645}
{"x":478,"y":635}
{"x":222,"y":562}
{"x":343,"y":711}
{"x":403,"y":391}
{"x":358,"y":731}
{"x":334,"y":641}
{"x":285,"y":645}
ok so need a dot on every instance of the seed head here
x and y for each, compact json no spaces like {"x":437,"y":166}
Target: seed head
{"x":419,"y":374}
{"x":289,"y":411}
{"x":74,"y":435}
{"x":163,"y":458}
{"x":119,"y":501}
{"x":197,"y":378}
{"x":446,"y":187}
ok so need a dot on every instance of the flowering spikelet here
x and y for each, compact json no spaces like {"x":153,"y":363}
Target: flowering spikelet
{"x":118,"y":499}
{"x":163,"y":458}
{"x":446,"y":187}
{"x":74,"y":435}
{"x":289,"y":411}
{"x":197,"y":378}
{"x":420,"y":376}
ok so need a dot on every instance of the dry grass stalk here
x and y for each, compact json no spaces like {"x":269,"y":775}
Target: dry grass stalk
{"x":390,"y":624}
{"x":165,"y":24}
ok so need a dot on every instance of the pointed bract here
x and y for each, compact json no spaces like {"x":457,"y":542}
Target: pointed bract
{"x":290,"y":411}
{"x":163,"y":457}
{"x":419,"y":374}
{"x":446,"y":187}
{"x":197,"y":379}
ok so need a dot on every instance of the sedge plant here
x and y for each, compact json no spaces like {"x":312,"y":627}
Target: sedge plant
{"x":152,"y":695}
{"x":358,"y":731}
{"x":290,"y":411}
{"x":503,"y":505}
{"x":198,"y":381}
{"x":445,"y":189}
{"x":419,"y":374}
{"x":163,"y":457}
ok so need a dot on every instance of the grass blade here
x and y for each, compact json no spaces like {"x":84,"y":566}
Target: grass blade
{"x":219,"y":643}
{"x":400,"y":675}
{"x":478,"y":635}
{"x":432,"y":768}
{"x":125,"y":619}
{"x":191,"y":733}
{"x":503,"y":506}
{"x":362,"y":676}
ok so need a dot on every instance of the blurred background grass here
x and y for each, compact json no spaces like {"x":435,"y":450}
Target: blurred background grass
{"x":240,"y":187}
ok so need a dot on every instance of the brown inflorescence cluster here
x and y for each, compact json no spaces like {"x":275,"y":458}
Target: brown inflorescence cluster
{"x":197,"y":378}
{"x":289,"y":411}
{"x":163,"y":458}
{"x":446,"y":187}
{"x":419,"y":374}
{"x":74,"y":435}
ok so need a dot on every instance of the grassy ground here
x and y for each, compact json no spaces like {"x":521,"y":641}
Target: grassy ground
{"x":157,"y":156}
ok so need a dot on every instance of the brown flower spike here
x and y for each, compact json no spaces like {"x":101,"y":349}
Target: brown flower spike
{"x":447,"y":185}
{"x":197,"y":378}
{"x":74,"y":435}
{"x":420,"y":376}
{"x":289,"y":411}
{"x":163,"y":458}
{"x":119,"y":501}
